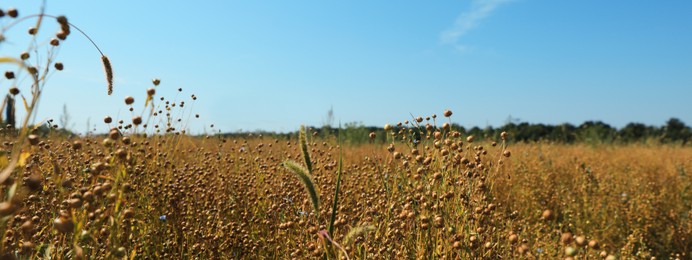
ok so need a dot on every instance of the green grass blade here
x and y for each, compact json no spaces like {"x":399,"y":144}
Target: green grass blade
{"x":336,"y":193}
{"x":306,"y":179}
{"x":303,"y":139}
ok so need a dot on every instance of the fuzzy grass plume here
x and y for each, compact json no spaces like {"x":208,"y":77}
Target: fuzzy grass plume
{"x":306,"y":179}
{"x":109,"y":73}
{"x":303,"y":139}
{"x":354,"y":232}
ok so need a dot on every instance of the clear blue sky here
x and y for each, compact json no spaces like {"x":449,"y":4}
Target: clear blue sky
{"x":274,"y":65}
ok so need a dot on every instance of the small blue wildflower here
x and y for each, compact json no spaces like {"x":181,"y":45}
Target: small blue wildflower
{"x":539,"y":250}
{"x":162,"y":217}
{"x":302,"y":213}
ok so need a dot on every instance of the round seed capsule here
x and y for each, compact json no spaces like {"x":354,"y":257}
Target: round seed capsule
{"x":12,"y":12}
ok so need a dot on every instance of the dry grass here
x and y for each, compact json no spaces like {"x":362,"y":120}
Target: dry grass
{"x":216,"y":198}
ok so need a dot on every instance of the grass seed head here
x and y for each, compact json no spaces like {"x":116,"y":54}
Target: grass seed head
{"x":109,"y":73}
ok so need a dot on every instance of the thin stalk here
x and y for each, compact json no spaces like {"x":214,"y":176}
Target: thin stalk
{"x":336,"y":191}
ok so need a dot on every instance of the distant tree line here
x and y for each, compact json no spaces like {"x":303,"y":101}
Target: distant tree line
{"x":593,"y":132}
{"x":673,"y":131}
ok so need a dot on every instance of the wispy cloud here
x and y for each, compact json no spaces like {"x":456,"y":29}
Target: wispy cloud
{"x":466,"y":21}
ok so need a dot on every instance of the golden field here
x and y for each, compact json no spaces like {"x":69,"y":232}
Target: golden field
{"x":215,"y":198}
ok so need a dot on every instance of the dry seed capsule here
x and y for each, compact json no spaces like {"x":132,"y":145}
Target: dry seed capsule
{"x":547,"y":214}
{"x":74,"y":203}
{"x":7,"y":208}
{"x":24,"y":55}
{"x":156,"y":82}
{"x":27,"y":246}
{"x":62,"y":20}
{"x":137,"y":120}
{"x":107,"y":119}
{"x":151,"y":92}
{"x":59,"y":66}
{"x":570,"y":251}
{"x":128,"y":213}
{"x":580,"y":240}
{"x":28,"y":228}
{"x":12,"y":12}
{"x":34,"y":182}
{"x":594,"y":244}
{"x":121,"y":153}
{"x":129,"y":100}
{"x":63,"y":224}
{"x":566,"y":238}
{"x":33,"y":139}
{"x":14,"y":91}
{"x":447,"y":113}
{"x":114,"y":134}
{"x":439,"y":222}
{"x":62,"y":35}
{"x":9,"y":74}
{"x":437,"y":135}
{"x":513,"y":238}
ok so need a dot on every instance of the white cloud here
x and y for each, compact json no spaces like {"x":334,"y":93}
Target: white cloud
{"x":466,"y":21}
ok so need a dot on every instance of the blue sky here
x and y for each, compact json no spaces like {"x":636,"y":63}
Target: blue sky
{"x":274,"y":65}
